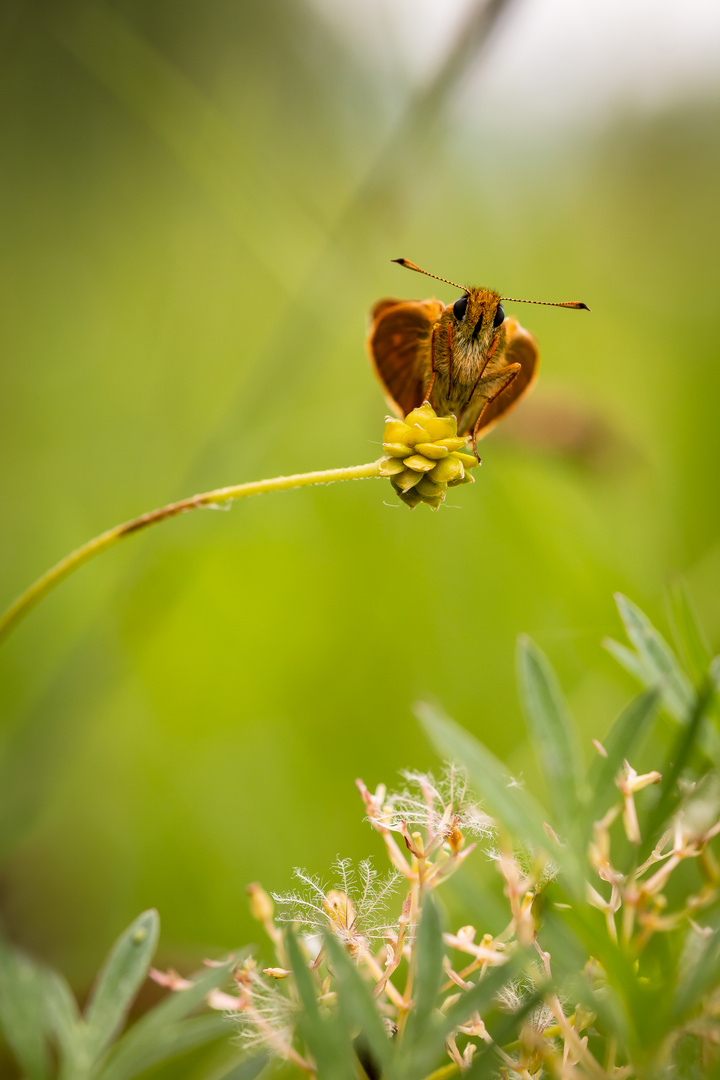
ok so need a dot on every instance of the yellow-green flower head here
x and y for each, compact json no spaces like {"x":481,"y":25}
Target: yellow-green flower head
{"x":424,"y":456}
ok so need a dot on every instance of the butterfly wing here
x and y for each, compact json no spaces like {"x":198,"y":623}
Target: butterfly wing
{"x":521,"y":349}
{"x":399,"y":344}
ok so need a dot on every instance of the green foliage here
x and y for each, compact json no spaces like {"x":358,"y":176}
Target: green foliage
{"x":52,"y":1040}
{"x":609,"y":965}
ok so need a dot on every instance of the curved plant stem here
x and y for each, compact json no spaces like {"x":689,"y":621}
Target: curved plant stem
{"x":27,"y":600}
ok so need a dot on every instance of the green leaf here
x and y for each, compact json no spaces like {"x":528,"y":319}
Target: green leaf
{"x":124,"y":971}
{"x":689,"y":737}
{"x":659,"y":664}
{"x":687,"y":632}
{"x":484,"y":993}
{"x":503,"y":1028}
{"x":356,"y":1002}
{"x":552,"y":731}
{"x":423,"y":1046}
{"x":22,"y":1012}
{"x":626,"y":658}
{"x":154,"y":1037}
{"x":66,"y":1025}
{"x":509,"y":804}
{"x":150,"y":1029}
{"x":698,"y":979}
{"x":429,"y":952}
{"x":626,"y":733}
{"x":244,"y":1070}
{"x":169,"y":1042}
{"x":327,"y":1038}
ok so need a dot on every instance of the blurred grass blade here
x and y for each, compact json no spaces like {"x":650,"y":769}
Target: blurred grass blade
{"x":164,"y":1032}
{"x":21,"y":1012}
{"x":626,"y":658}
{"x":689,"y":638}
{"x":506,"y":801}
{"x":484,"y":993}
{"x":503,"y":1028}
{"x":429,"y":952}
{"x":697,"y":979}
{"x":356,"y":1002}
{"x":257,"y":204}
{"x":120,"y":979}
{"x":426,"y":1043}
{"x":167,"y":1043}
{"x":67,"y":1026}
{"x":244,"y":1070}
{"x":180,"y":1003}
{"x":626,"y":733}
{"x":689,"y":737}
{"x":328,"y":1040}
{"x":552,"y":732}
{"x":659,"y":664}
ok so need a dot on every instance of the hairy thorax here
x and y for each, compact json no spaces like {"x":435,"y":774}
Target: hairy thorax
{"x":466,"y":351}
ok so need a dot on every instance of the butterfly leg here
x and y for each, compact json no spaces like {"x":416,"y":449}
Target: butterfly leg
{"x":510,"y":373}
{"x":450,"y":360}
{"x":432,"y":365}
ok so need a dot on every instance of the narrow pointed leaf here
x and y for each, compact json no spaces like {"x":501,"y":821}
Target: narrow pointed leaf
{"x":244,"y":1070}
{"x":429,"y":953}
{"x":357,"y":1003}
{"x":552,"y":732}
{"x":627,"y":732}
{"x":124,"y":971}
{"x":155,"y":1032}
{"x":484,"y":993}
{"x":180,"y":1003}
{"x":516,"y":810}
{"x":690,"y":639}
{"x":427,"y":1047}
{"x":326,"y":1036}
{"x":66,"y":1025}
{"x":505,"y":1030}
{"x":658,"y":661}
{"x":21,"y":1012}
{"x":168,"y":1043}
{"x":689,"y":737}
{"x":627,"y":659}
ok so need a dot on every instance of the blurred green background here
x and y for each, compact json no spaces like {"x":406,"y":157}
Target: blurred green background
{"x":199,"y":204}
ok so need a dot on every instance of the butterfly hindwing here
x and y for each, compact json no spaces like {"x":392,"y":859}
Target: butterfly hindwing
{"x":400,"y":348}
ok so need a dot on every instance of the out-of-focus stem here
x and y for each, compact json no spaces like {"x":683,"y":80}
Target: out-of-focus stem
{"x":218,"y":497}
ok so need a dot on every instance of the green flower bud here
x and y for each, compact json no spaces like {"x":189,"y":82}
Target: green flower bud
{"x":433,"y":450}
{"x":468,"y":460}
{"x":451,"y":468}
{"x":389,"y":466}
{"x":407,"y":479}
{"x":430,"y":488}
{"x":419,"y":463}
{"x":451,"y":444}
{"x":397,"y":450}
{"x":410,"y":498}
{"x":424,"y":456}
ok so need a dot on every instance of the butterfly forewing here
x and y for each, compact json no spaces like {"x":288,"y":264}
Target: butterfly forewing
{"x":400,"y":348}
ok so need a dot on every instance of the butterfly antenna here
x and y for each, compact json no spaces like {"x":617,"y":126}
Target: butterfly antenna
{"x":412,"y":266}
{"x":578,"y":304}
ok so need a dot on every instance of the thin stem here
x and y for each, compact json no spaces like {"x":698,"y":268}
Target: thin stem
{"x":75,"y":559}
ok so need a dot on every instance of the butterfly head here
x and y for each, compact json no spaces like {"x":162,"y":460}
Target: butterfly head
{"x":477,"y":316}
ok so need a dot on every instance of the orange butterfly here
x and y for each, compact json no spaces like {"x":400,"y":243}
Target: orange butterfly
{"x":465,"y":358}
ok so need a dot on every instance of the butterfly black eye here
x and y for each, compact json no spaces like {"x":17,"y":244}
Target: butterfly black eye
{"x":460,"y":307}
{"x":499,"y":316}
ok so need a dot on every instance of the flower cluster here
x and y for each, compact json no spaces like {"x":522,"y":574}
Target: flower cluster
{"x":424,"y":456}
{"x":433,"y":818}
{"x":354,"y":908}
